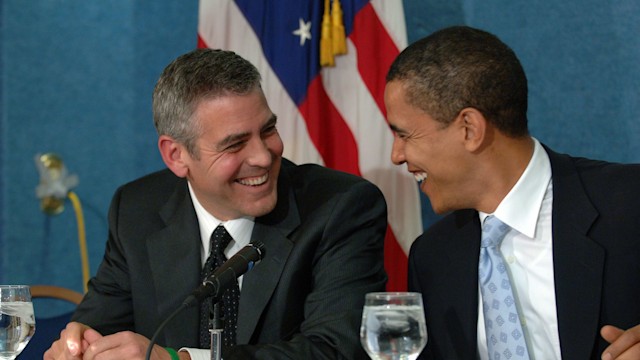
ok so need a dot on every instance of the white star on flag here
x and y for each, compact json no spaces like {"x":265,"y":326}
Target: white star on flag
{"x":304,"y":31}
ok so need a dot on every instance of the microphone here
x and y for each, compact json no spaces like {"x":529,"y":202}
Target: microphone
{"x":227,"y":273}
{"x":217,"y":283}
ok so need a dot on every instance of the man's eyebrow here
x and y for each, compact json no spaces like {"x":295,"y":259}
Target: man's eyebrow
{"x":230,"y":139}
{"x":396,"y":129}
{"x":271,"y":122}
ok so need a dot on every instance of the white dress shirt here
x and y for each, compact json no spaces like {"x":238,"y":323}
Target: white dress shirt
{"x":528,"y":252}
{"x":239,"y":229}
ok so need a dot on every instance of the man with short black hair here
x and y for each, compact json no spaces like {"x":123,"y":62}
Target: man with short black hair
{"x":556,"y":262}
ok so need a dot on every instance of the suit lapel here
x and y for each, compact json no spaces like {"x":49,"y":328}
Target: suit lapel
{"x":462,"y":276}
{"x":259,"y":284}
{"x":578,"y":261}
{"x":174,"y":259}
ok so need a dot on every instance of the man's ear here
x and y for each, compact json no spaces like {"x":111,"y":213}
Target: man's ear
{"x":173,"y":154}
{"x":475,"y":128}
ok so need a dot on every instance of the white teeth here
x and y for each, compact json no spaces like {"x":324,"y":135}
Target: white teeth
{"x":255,"y":181}
{"x":420,"y":177}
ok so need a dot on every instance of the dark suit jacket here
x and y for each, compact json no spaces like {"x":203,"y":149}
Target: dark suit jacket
{"x":596,"y":256}
{"x":324,"y":251}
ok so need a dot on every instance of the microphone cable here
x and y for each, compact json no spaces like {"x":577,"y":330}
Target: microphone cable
{"x":154,"y":338}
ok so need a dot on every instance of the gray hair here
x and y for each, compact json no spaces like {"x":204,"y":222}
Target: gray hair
{"x":201,"y":74}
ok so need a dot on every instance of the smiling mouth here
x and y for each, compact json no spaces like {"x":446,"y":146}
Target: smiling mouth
{"x":420,"y":176}
{"x":256,"y":181}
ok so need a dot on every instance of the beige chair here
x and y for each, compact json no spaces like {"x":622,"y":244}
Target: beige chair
{"x":56,"y":292}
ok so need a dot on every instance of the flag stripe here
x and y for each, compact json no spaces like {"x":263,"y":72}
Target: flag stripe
{"x":328,"y":131}
{"x":396,"y":263}
{"x":374,"y":142}
{"x":391,"y":15}
{"x":373,"y":42}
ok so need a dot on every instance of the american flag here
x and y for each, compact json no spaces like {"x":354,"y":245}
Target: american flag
{"x":330,"y":110}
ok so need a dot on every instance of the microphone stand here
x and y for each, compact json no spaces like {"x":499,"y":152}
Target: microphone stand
{"x":239,"y":264}
{"x":216,"y":329}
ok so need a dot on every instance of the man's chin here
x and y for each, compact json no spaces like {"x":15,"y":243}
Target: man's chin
{"x":262,"y":207}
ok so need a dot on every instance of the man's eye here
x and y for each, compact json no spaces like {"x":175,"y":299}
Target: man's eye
{"x":234,"y":146}
{"x":270,"y":130}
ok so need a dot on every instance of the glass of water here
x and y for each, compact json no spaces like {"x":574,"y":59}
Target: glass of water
{"x":393,"y":325}
{"x":17,"y":323}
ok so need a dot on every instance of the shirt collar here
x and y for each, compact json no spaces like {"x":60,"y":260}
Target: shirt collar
{"x":240,"y":229}
{"x":520,"y":208}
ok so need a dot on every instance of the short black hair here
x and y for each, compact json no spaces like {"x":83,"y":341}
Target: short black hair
{"x":459,"y":67}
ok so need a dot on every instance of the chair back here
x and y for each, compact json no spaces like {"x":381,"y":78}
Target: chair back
{"x":56,"y":292}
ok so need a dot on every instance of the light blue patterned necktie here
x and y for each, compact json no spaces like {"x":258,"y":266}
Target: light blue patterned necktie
{"x":505,"y":335}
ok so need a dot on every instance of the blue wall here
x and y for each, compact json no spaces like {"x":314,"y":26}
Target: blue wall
{"x":77,"y":76}
{"x":581,"y":59}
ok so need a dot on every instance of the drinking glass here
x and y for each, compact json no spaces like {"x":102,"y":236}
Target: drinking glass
{"x":393,"y":325}
{"x":17,"y":323}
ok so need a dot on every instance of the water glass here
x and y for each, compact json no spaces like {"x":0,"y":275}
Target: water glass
{"x":17,"y":323}
{"x":393,"y":325}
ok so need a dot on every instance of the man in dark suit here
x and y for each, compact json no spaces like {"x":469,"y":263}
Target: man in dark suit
{"x":322,"y":231}
{"x":457,"y":101}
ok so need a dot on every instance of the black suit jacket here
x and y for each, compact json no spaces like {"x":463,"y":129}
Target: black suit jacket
{"x":324,"y":251}
{"x":596,"y":256}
